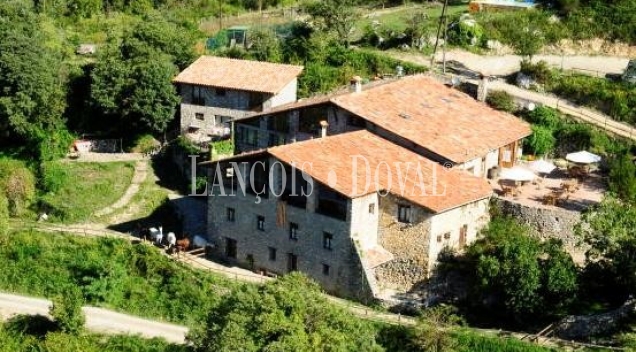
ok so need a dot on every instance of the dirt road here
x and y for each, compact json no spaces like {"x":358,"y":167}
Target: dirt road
{"x":97,"y":319}
{"x":506,"y":64}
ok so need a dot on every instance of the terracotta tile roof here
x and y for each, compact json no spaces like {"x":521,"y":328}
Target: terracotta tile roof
{"x":330,"y":161}
{"x":317,"y":99}
{"x":255,"y":76}
{"x":436,"y":117}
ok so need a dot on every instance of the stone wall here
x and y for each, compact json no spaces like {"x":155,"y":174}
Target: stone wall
{"x":546,"y":222}
{"x":345,"y":276}
{"x":585,"y":326}
{"x":408,"y":242}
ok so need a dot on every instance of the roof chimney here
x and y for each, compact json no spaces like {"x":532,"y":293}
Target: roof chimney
{"x":482,"y":89}
{"x":323,"y":128}
{"x":356,"y":84}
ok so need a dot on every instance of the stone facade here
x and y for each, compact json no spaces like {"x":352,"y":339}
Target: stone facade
{"x":208,"y":107}
{"x":546,"y":222}
{"x":267,"y":234}
{"x":417,"y":245}
{"x":343,"y":275}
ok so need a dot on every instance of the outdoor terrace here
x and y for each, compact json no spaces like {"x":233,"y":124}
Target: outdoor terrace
{"x":556,"y":190}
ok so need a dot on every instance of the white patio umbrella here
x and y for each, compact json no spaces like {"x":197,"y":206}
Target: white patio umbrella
{"x":541,"y":166}
{"x":583,"y":157}
{"x":517,"y":173}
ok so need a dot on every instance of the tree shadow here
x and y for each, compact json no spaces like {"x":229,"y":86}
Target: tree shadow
{"x":33,"y":325}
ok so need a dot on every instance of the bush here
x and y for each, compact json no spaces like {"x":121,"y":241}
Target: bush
{"x":501,"y":100}
{"x":546,"y":117}
{"x":18,"y":185}
{"x":54,"y":176}
{"x":622,"y":177}
{"x":4,"y":214}
{"x":67,"y":311}
{"x":224,"y":147}
{"x":541,"y":141}
{"x":540,"y":71}
{"x":145,"y":143}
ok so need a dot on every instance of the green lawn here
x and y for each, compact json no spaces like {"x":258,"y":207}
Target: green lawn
{"x":85,"y":188}
{"x":398,"y":20}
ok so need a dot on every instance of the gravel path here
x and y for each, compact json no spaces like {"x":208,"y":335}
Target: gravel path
{"x":140,"y":174}
{"x":97,"y":319}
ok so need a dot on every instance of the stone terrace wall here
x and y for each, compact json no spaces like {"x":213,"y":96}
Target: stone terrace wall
{"x":547,"y":223}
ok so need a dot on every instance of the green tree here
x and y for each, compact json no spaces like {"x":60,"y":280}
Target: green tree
{"x":265,"y":46}
{"x":17,"y":183}
{"x":541,"y":141}
{"x":622,"y":177}
{"x":131,"y":83}
{"x":154,"y":98}
{"x":610,"y":233}
{"x":67,"y":311}
{"x":32,"y":86}
{"x":289,"y":314}
{"x":523,"y":276}
{"x":337,"y":16}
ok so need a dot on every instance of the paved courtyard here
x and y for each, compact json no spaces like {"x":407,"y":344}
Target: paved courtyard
{"x":587,"y":191}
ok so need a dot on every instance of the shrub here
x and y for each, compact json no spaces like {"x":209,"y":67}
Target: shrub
{"x":53,"y":176}
{"x":540,"y":71}
{"x":145,"y":143}
{"x":67,"y":311}
{"x":4,"y":214}
{"x":541,"y":141}
{"x":622,"y":177}
{"x":545,"y":116}
{"x":224,"y":147}
{"x":501,"y":100}
{"x":18,"y":185}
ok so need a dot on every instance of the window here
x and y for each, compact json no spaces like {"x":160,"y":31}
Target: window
{"x":404,"y":213}
{"x":293,"y":231}
{"x":325,"y":269}
{"x":447,"y":236}
{"x":292,"y":262}
{"x":230,"y":214}
{"x":230,"y":248}
{"x":220,"y":92}
{"x":260,"y":223}
{"x":327,"y":239}
{"x":463,"y":232}
{"x":198,"y":95}
{"x":199,"y":116}
{"x":272,"y":253}
{"x":248,"y":135}
{"x":372,"y":208}
{"x":439,"y":238}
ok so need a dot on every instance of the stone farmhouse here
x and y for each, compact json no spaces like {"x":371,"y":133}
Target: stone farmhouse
{"x":360,"y":189}
{"x":216,"y":90}
{"x":416,"y":112}
{"x":359,"y":228}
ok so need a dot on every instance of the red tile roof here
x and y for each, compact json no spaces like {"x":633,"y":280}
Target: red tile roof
{"x":436,"y":117}
{"x":255,"y":76}
{"x":330,"y":161}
